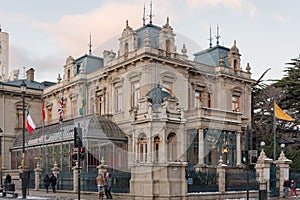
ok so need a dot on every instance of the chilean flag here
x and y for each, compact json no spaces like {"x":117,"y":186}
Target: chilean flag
{"x":30,"y":124}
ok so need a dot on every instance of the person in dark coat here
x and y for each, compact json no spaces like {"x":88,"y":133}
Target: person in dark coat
{"x":108,"y":181}
{"x":53,"y":181}
{"x":47,"y":182}
{"x":7,"y":179}
{"x":286,"y":187}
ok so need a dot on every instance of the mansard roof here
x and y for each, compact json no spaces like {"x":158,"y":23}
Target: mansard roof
{"x":211,"y":56}
{"x":152,"y":32}
{"x":90,"y":63}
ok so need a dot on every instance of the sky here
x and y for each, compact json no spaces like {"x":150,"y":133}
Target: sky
{"x":43,"y":34}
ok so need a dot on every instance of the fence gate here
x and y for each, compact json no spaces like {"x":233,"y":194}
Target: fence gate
{"x":274,"y":180}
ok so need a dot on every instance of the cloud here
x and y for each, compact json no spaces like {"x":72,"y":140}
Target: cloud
{"x":72,"y":32}
{"x":281,"y":18}
{"x":237,"y":6}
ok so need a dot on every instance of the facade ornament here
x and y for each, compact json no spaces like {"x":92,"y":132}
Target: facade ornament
{"x":58,"y":78}
{"x":248,"y":68}
{"x":147,"y":39}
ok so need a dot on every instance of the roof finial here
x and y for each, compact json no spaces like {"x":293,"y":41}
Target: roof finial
{"x":144,"y":18}
{"x":0,"y":28}
{"x":218,"y":36}
{"x":210,"y":38}
{"x":90,"y":45}
{"x":126,"y":23}
{"x":151,"y":15}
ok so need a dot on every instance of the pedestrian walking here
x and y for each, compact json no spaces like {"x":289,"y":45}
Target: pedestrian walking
{"x":286,"y":187}
{"x":293,"y":187}
{"x":47,"y":182}
{"x":100,"y":186}
{"x":53,"y":181}
{"x":108,"y":181}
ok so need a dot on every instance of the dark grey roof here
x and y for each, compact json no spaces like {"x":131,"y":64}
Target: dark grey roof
{"x":30,"y":84}
{"x":90,"y":63}
{"x":152,"y":32}
{"x":157,"y":95}
{"x":212,"y":55}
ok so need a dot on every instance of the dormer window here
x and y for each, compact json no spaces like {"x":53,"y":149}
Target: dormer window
{"x":68,"y":74}
{"x":235,"y":65}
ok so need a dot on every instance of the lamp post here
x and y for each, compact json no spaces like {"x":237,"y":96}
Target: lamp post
{"x":23,"y":175}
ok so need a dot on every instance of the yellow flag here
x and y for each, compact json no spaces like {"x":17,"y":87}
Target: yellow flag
{"x":280,"y":114}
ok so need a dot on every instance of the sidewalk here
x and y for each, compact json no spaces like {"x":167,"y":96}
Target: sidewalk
{"x":59,"y":195}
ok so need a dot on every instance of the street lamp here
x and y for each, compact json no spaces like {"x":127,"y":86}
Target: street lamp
{"x":23,"y":90}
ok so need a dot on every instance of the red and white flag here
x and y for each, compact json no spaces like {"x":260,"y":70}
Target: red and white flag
{"x":30,"y":124}
{"x":43,"y":110}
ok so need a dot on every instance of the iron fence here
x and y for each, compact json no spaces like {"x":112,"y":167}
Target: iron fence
{"x":237,"y":181}
{"x":204,"y":180}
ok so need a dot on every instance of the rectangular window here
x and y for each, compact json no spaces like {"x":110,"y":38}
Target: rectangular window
{"x":49,"y":115}
{"x":100,"y":103}
{"x":19,"y":119}
{"x":136,"y":93}
{"x":74,"y":108}
{"x":235,"y":104}
{"x":168,"y":86}
{"x":209,"y":101}
{"x":119,"y":94}
{"x":91,"y":103}
{"x":199,"y":96}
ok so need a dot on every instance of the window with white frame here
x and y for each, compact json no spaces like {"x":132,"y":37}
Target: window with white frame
{"x":168,"y":86}
{"x":235,"y":103}
{"x":142,"y":148}
{"x":136,"y":93}
{"x":119,"y":94}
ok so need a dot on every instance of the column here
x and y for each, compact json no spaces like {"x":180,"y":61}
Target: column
{"x":221,"y":170}
{"x":200,"y":147}
{"x":284,"y":166}
{"x":75,"y":177}
{"x":37,"y":175}
{"x":262,"y":167}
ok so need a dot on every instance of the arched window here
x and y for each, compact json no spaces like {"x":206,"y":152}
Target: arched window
{"x":172,"y":147}
{"x":156,"y":148}
{"x":142,"y":147}
{"x":126,"y":49}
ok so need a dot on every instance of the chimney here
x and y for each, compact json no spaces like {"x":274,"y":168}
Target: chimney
{"x":30,"y":74}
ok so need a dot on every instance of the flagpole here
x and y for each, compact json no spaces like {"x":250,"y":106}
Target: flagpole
{"x":43,"y":130}
{"x":274,"y":128}
{"x":61,"y":128}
